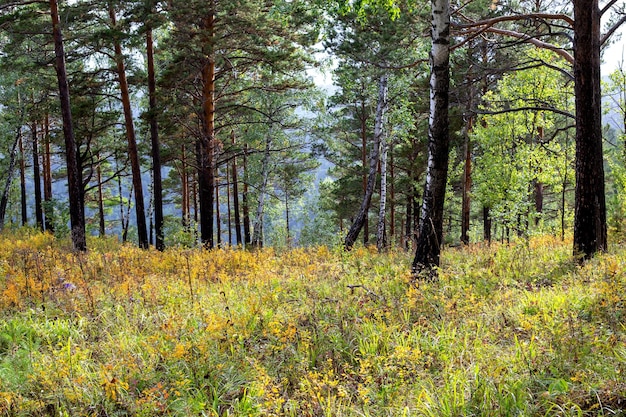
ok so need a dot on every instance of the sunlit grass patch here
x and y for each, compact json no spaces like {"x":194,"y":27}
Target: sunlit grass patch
{"x":506,"y":330}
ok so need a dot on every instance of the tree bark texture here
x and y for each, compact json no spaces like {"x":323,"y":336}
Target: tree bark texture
{"x":23,"y":201}
{"x":74,"y":180}
{"x":4,"y":200}
{"x":47,"y":178}
{"x":381,"y":232}
{"x":236,"y":196}
{"x":374,"y":157}
{"x":206,"y":172}
{"x":265,"y":172}
{"x":467,"y":186}
{"x":37,"y":179}
{"x":590,"y":234}
{"x":429,"y":241}
{"x":133,"y":153}
{"x":154,"y":140}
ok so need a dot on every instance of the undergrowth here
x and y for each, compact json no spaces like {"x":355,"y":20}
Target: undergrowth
{"x":517,"y":330}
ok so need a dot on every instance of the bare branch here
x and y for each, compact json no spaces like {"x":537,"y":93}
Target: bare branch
{"x":496,"y":20}
{"x":607,"y":7}
{"x":538,"y":43}
{"x":529,"y":108}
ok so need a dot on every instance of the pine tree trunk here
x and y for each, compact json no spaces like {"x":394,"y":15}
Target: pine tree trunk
{"x":229,"y":208}
{"x":4,"y":200}
{"x":467,"y":186}
{"x":392,"y":196}
{"x":23,"y":184}
{"x":47,"y":178}
{"x":218,"y":222}
{"x":157,"y":180}
{"x":590,"y":234}
{"x":429,"y":241}
{"x":184,"y":180}
{"x":257,"y":236}
{"x":361,"y":217}
{"x":366,"y":229}
{"x":133,"y":154}
{"x":236,"y":196}
{"x":101,"y":222}
{"x":245,"y":197}
{"x":205,"y":194}
{"x":486,"y":225}
{"x":37,"y":179}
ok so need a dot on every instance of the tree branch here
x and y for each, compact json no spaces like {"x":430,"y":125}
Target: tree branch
{"x":612,"y":30}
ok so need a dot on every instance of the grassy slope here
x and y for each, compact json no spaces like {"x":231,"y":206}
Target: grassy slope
{"x":518,"y":330}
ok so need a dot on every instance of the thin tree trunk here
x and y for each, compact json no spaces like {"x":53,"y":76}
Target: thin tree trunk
{"x":218,"y":220}
{"x":23,"y":183}
{"x":245,"y":199}
{"x":37,"y":179}
{"x":133,"y":154}
{"x":361,"y":216}
{"x":236,"y":196}
{"x":74,"y":179}
{"x":265,"y":173}
{"x":47,"y":178}
{"x":366,"y":231}
{"x":157,"y":180}
{"x":429,"y":241}
{"x":590,"y":234}
{"x":381,"y":233}
{"x":102,"y":228}
{"x":229,"y":208}
{"x":288,"y":241}
{"x":4,"y":200}
{"x":467,"y":185}
{"x":184,"y":179}
{"x":486,"y":224}
{"x":392,"y":199}
{"x":205,"y":186}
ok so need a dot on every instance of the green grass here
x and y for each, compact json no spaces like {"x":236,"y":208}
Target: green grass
{"x":518,"y":330}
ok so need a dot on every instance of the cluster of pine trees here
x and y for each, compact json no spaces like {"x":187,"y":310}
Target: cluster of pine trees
{"x":443,"y":115}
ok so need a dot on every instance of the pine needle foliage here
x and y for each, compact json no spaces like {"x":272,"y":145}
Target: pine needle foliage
{"x":508,"y":330}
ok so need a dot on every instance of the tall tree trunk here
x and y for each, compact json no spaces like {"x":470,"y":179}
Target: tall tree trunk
{"x":245,"y":206}
{"x":236,"y":195}
{"x":429,"y":241}
{"x":184,"y":180}
{"x":23,"y":201}
{"x":37,"y":179}
{"x":288,"y":241}
{"x":590,"y":234}
{"x":101,"y":222}
{"x":257,"y":237}
{"x":392,"y":196}
{"x":366,"y":228}
{"x":467,"y":185}
{"x":157,"y":180}
{"x":486,"y":225}
{"x":381,"y":232}
{"x":207,"y":172}
{"x":218,"y":220}
{"x":229,"y":208}
{"x":47,"y":178}
{"x":133,"y":154}
{"x":361,"y":216}
{"x":4,"y":200}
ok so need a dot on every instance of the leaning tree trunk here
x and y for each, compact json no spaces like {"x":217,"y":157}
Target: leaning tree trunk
{"x":142,"y":230}
{"x":361,"y":216}
{"x":431,"y":220}
{"x":74,"y":180}
{"x":590,"y":235}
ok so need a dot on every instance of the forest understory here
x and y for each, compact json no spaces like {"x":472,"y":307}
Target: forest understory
{"x":519,"y":329}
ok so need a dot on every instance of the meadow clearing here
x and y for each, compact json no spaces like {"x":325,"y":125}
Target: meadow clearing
{"x":507,"y":330}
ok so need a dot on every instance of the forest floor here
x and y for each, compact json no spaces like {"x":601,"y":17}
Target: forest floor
{"x":507,"y":330}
